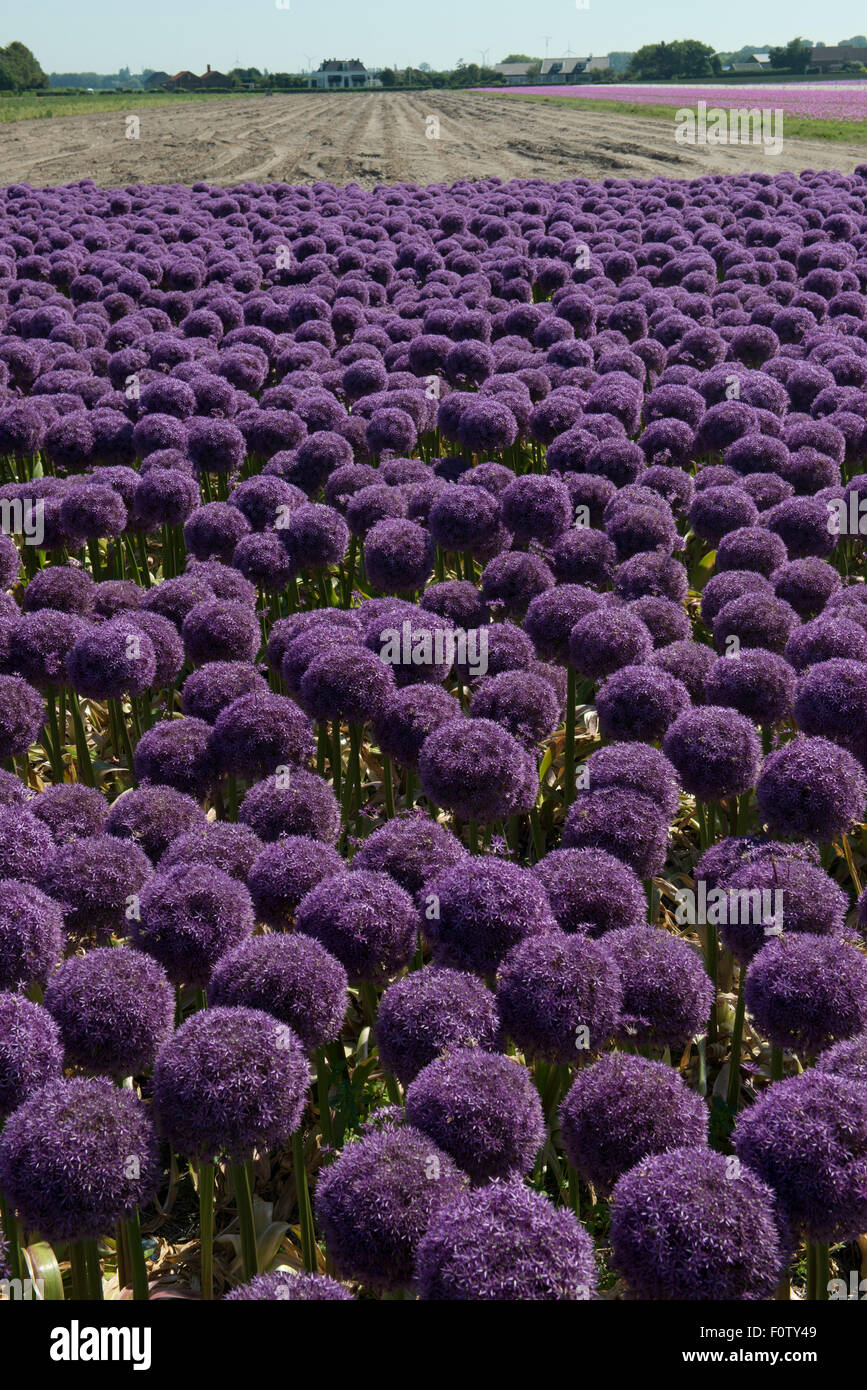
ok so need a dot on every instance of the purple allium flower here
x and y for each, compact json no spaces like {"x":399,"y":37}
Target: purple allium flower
{"x":619,"y":460}
{"x":758,"y":684}
{"x":811,"y":787}
{"x":264,"y":561}
{"x":806,"y":992}
{"x":513,"y":579}
{"x":485,"y":425}
{"x":188,"y":917}
{"x":26,"y":844}
{"x":164,"y":497}
{"x":831,"y":700}
{"x":346,"y":682}
{"x":231,"y":847}
{"x":220,"y":630}
{"x":176,"y":753}
{"x":756,"y":620}
{"x":284,"y":1285}
{"x":505,"y":1243}
{"x":208,"y":691}
{"x":716,"y":751}
{"x":71,"y":811}
{"x":65,"y":1158}
{"x":667,"y":622}
{"x":582,"y":556}
{"x":365,"y":919}
{"x":292,"y":977}
{"x":230,"y":1080}
{"x":465,"y":518}
{"x":12,"y":790}
{"x":31,"y":1050}
{"x":724,"y":588}
{"x":115,"y":1009}
{"x":802,"y":524}
{"x":91,"y":509}
{"x":94,"y":880}
{"x":825,"y":638}
{"x":402,"y":725}
{"x":480,"y":1107}
{"x":429,"y":1011}
{"x":847,"y":1059}
{"x":301,"y":803}
{"x":31,"y":935}
{"x":606,"y":640}
{"x":413,"y":849}
{"x":638,"y":767}
{"x":259,"y":732}
{"x":39,"y":644}
{"x":475,"y":912}
{"x":398,"y":556}
{"x":477,"y":770}
{"x":667,"y":994}
{"x":716,"y":511}
{"x":525,"y":704}
{"x":215,"y":446}
{"x":806,"y":585}
{"x":751,"y":548}
{"x":174,"y":598}
{"x":457,"y":600}
{"x":552,"y":615}
{"x":622,"y":1109}
{"x":214,"y":530}
{"x":111,"y":659}
{"x":167,"y":645}
{"x":62,"y":587}
{"x":153,"y":816}
{"x":807,"y":1138}
{"x":536,"y":508}
{"x":590,"y":890}
{"x":21,"y":716}
{"x":654,"y":574}
{"x":681,"y":1229}
{"x":688,"y":662}
{"x":621,"y":822}
{"x":315,"y":536}
{"x":376,"y":1201}
{"x":284,"y":872}
{"x":559,"y":996}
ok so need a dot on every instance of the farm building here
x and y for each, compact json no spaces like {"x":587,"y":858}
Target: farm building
{"x":836,"y":56}
{"x":343,"y":72}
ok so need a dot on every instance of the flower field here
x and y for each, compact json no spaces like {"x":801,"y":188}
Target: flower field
{"x":433,"y":725}
{"x":821,"y":101}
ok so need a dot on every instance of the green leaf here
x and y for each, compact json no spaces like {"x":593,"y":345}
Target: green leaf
{"x":44,"y":1271}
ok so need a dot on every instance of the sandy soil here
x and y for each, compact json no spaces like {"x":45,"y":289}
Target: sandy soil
{"x":377,"y":137}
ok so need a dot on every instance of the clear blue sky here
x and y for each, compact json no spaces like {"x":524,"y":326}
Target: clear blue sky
{"x":103,"y":35}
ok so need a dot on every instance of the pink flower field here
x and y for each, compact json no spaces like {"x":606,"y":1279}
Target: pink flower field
{"x":837,"y":101}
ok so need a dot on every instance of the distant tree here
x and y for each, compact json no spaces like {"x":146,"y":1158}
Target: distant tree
{"x":19,"y":70}
{"x":388,"y":77}
{"x":859,"y":41}
{"x":517,"y":58}
{"x":660,"y":62}
{"x":620,"y":61}
{"x":794,"y":57}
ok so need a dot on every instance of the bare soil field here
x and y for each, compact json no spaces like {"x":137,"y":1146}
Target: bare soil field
{"x":376,"y":137}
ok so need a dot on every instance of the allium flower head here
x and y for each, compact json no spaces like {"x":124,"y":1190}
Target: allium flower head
{"x":559,"y":996}
{"x":638,"y":703}
{"x":376,"y":1201}
{"x":759,"y":684}
{"x":412,"y":849}
{"x":115,"y":1009}
{"x":590,"y":890}
{"x":220,"y":630}
{"x":847,"y":1059}
{"x":258,"y":732}
{"x":482,"y":1108}
{"x":620,"y":822}
{"x":26,"y":844}
{"x":65,"y":1158}
{"x":153,"y":816}
{"x":811,"y":787}
{"x":806,"y":992}
{"x":176,"y":753}
{"x":291,"y":977}
{"x":111,"y":659}
{"x":346,"y":682}
{"x":716,"y":751}
{"x":506,"y":1243}
{"x":365,"y":919}
{"x":284,"y":872}
{"x":604,"y":641}
{"x":477,"y":769}
{"x":429,"y":1011}
{"x":806,"y":1137}
{"x":682,"y":1229}
{"x":230,"y":1080}
{"x":31,"y":1050}
{"x":667,"y":994}
{"x":475,"y":912}
{"x":622,"y":1109}
{"x":639,"y":767}
{"x":189,"y":916}
{"x":300,"y":804}
{"x":284,"y":1285}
